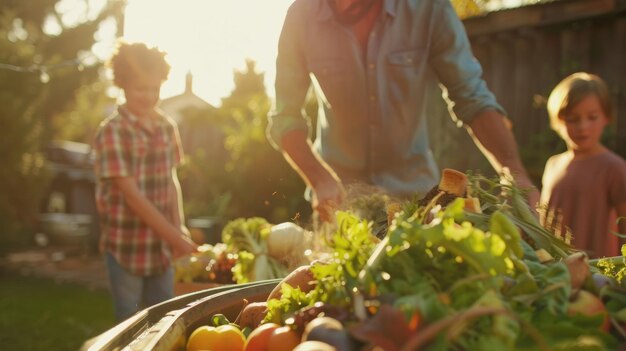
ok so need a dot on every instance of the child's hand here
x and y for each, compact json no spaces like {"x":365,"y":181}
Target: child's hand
{"x":185,"y":231}
{"x":183,"y":247}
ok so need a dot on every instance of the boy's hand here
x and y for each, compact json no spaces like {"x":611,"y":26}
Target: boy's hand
{"x":183,"y":247}
{"x":185,"y":231}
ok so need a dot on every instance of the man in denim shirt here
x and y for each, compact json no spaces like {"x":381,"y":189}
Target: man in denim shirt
{"x":372,"y":64}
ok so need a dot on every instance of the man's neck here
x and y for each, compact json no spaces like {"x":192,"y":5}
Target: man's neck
{"x":363,"y":28}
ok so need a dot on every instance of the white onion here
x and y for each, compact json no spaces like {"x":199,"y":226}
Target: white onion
{"x":285,"y":240}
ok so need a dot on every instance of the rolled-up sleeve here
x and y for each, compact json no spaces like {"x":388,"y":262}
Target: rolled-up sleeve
{"x":456,"y":67}
{"x":292,"y":82}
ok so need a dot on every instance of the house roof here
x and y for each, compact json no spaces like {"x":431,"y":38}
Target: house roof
{"x":184,"y":100}
{"x":175,"y":105}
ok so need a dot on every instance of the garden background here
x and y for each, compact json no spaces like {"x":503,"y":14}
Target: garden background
{"x":51,"y":90}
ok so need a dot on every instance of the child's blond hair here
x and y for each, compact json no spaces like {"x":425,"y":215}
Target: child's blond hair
{"x":137,"y":60}
{"x":571,"y":90}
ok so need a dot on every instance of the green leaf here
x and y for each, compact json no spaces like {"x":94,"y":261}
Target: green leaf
{"x":291,"y":300}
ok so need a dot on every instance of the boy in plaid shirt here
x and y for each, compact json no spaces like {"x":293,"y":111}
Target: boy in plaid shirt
{"x":138,"y":195}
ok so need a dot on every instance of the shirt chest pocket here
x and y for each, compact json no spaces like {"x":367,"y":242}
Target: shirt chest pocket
{"x":331,"y":74}
{"x":405,"y":69}
{"x":405,"y":58}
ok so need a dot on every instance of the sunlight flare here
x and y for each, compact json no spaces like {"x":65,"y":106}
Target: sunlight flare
{"x":208,"y":38}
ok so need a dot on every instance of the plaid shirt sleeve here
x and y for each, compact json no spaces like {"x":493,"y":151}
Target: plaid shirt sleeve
{"x":111,"y":160}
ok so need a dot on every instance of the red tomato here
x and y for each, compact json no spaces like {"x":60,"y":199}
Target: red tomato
{"x":283,"y":339}
{"x":259,"y":337}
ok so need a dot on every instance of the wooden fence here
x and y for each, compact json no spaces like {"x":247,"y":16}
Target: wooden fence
{"x":526,"y":51}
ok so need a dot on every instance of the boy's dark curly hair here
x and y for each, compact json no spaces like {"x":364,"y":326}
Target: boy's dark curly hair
{"x":135,"y":60}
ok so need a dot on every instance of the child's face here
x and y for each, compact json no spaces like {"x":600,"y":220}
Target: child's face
{"x":583,"y":125}
{"x":142,"y":95}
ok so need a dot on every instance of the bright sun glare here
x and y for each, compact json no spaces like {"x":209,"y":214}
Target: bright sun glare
{"x":210,"y":38}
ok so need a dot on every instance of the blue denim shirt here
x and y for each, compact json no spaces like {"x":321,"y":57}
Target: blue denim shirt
{"x":372,"y":118}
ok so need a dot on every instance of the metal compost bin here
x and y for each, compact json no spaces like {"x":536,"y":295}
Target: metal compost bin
{"x":166,"y":326}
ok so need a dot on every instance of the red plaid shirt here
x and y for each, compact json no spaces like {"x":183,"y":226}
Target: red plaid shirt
{"x":127,"y":146}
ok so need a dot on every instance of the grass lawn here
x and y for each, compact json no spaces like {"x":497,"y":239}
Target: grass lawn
{"x":38,"y":314}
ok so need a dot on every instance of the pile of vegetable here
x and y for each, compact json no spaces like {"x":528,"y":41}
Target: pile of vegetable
{"x":467,"y":268}
{"x":210,"y":264}
{"x":252,"y":249}
{"x":265,"y":251}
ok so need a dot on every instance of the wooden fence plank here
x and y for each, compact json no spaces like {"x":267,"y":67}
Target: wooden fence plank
{"x":525,"y":52}
{"x":522,"y":94}
{"x":620,"y":72}
{"x":502,"y":58}
{"x":540,"y":15}
{"x":522,"y":66}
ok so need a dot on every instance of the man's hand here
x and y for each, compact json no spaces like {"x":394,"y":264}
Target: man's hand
{"x":327,"y":197}
{"x":328,"y":190}
{"x":533,"y":195}
{"x":523,"y":182}
{"x":492,"y":134}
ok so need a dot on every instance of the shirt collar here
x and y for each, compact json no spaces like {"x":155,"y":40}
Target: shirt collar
{"x":390,"y":7}
{"x":148,"y":126}
{"x":324,"y":13}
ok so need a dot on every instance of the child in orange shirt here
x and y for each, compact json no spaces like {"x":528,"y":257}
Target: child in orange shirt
{"x":584,"y":188}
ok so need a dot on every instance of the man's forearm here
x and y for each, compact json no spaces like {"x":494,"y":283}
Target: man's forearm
{"x":496,"y":141}
{"x":299,"y":153}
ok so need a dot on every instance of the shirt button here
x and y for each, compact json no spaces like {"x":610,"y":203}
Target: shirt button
{"x":409,"y":60}
{"x":372,"y":98}
{"x":371,"y":66}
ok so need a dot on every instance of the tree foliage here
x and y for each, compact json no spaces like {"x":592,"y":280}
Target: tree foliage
{"x":79,"y":121}
{"x":39,"y":77}
{"x":249,"y":178}
{"x":469,"y":8}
